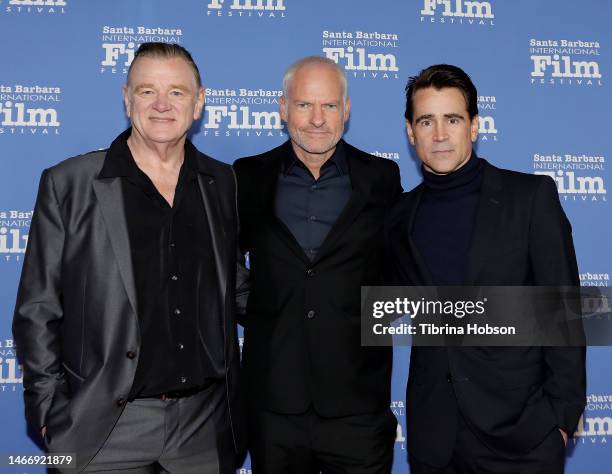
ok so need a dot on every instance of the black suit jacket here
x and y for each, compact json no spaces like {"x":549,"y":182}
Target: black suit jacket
{"x":513,"y":396}
{"x":76,"y":320}
{"x":302,"y":330}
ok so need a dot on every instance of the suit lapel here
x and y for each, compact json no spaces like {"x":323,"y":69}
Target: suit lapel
{"x":267,"y":182}
{"x":486,"y":223}
{"x":361,"y":183}
{"x":409,"y":259}
{"x":110,"y":197}
{"x":210,"y":199}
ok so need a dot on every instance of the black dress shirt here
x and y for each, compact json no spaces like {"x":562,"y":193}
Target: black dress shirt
{"x":309,"y":207}
{"x":171,"y":256}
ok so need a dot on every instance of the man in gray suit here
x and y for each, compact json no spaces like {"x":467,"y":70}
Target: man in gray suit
{"x":125,"y":313}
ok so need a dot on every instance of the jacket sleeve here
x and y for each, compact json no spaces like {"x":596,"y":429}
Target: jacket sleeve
{"x":242,"y":272}
{"x":553,"y":263}
{"x":38,"y":311}
{"x":395,"y":184}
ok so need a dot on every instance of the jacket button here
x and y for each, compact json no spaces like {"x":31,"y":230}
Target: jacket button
{"x":310,"y":314}
{"x":449,"y":379}
{"x":130,"y":354}
{"x":121,"y":402}
{"x":310,"y":272}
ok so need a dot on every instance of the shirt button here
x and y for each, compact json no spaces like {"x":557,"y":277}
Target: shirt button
{"x":310,"y":314}
{"x":183,"y":379}
{"x":174,"y":277}
{"x":310,"y":272}
{"x":177,"y":311}
{"x":180,"y":347}
{"x":172,"y":245}
{"x":120,"y":402}
{"x":449,"y":379}
{"x":130,"y":354}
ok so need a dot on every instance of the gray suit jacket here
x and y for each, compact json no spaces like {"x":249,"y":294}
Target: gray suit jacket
{"x":76,"y":313}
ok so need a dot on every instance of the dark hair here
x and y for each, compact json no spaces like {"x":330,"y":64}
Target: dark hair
{"x":166,"y":51}
{"x":439,"y":77}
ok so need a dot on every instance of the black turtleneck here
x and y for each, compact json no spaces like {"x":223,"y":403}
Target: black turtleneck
{"x":444,"y":221}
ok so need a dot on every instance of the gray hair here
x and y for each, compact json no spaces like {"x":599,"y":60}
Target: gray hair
{"x":166,"y":51}
{"x":312,"y":61}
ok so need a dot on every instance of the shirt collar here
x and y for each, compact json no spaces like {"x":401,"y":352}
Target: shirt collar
{"x":338,"y":159}
{"x":119,"y":162}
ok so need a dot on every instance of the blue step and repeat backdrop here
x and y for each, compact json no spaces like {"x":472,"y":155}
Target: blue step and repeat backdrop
{"x":541,"y":68}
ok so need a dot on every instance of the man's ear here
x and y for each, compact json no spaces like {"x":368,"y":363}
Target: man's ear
{"x":347,"y":109}
{"x":197,"y":112}
{"x":282,"y":105}
{"x":410,"y":132}
{"x":474,"y":126}
{"x":126,"y":99}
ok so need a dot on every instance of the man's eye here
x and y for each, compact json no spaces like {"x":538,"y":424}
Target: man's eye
{"x":146,"y":92}
{"x":453,"y":121}
{"x":302,"y":105}
{"x":331,"y":106}
{"x":425,"y":123}
{"x":177,"y":93}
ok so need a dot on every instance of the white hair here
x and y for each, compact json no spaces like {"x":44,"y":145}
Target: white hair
{"x":311,"y":61}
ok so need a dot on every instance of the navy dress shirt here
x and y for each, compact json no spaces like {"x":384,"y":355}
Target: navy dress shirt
{"x":309,"y":207}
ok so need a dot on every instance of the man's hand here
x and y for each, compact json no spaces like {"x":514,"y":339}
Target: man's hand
{"x":565,"y":437}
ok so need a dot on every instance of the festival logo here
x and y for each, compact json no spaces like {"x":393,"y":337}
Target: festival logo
{"x":595,"y":425}
{"x":390,"y":155}
{"x":242,"y":113}
{"x":487,"y":108}
{"x":119,"y":43}
{"x":579,"y":177}
{"x":457,"y":12}
{"x":562,"y":62}
{"x":50,"y":7}
{"x":246,"y":8}
{"x":399,"y":410}
{"x":594,"y":279}
{"x":14,"y":230}
{"x":29,"y":109}
{"x":363,"y":54}
{"x":11,"y":377}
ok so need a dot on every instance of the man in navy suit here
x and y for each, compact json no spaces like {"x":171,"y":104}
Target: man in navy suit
{"x":481,"y":409}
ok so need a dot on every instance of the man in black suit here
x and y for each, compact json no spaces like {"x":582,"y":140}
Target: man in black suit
{"x":311,"y":215}
{"x":481,"y":409}
{"x":125,"y":320}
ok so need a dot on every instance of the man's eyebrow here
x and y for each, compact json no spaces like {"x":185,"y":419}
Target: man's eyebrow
{"x":143,"y":86}
{"x":180,"y":87}
{"x":423,"y":117}
{"x":431,"y":116}
{"x":454,"y":115}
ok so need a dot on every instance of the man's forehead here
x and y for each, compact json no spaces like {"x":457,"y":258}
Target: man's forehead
{"x":452,"y":96}
{"x":316,"y":73}
{"x":173,"y":68}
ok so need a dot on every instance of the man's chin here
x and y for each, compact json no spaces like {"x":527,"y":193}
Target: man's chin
{"x":316,"y":150}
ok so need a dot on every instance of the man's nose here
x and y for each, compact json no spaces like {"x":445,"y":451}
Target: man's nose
{"x":161,"y":103}
{"x":318,"y":117}
{"x":440,"y":132}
